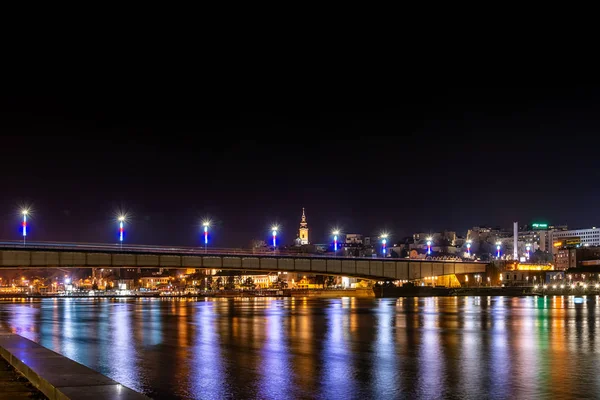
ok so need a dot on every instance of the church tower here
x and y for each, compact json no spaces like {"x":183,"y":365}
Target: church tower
{"x":303,"y":231}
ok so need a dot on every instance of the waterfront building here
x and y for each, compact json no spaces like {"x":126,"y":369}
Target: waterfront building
{"x":566,"y":258}
{"x":152,"y":282}
{"x":553,"y":239}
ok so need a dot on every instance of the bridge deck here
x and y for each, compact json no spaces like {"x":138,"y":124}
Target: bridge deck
{"x":86,"y":256}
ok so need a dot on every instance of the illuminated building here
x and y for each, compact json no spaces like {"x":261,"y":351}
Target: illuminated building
{"x":152,"y":282}
{"x":586,"y":237}
{"x":303,"y":231}
{"x":566,"y":258}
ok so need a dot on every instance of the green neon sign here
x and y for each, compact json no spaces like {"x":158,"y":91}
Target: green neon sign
{"x":540,"y":226}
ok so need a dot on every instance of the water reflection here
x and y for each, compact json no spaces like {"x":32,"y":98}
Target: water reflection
{"x":448,"y":347}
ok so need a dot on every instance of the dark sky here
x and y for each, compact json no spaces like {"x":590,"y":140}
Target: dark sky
{"x":425,"y":160}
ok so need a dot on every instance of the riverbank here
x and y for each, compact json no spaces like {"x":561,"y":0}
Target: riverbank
{"x":57,"y":376}
{"x":437,"y":291}
{"x":317,"y":293}
{"x":15,"y":386}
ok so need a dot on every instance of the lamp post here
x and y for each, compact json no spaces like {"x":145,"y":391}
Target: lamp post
{"x":25,"y":213}
{"x":205,"y":224}
{"x":274,"y":228}
{"x":498,"y":249}
{"x":528,"y":247}
{"x":384,"y":243}
{"x":121,"y":229}
{"x":335,"y":241}
{"x":469,"y":248}
{"x":428,"y":246}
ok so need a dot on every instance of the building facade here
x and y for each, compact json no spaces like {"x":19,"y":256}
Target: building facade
{"x":552,"y":240}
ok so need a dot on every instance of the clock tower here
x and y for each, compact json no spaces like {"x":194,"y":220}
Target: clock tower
{"x":303,"y":231}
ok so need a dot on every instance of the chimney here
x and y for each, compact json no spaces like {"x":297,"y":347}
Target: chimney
{"x":516,"y":241}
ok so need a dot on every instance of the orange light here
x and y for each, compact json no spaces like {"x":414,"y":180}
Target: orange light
{"x":557,"y":244}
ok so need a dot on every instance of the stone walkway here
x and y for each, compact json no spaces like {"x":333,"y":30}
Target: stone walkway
{"x":15,"y":386}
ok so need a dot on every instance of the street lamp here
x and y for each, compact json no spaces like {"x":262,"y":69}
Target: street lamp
{"x":335,"y":241}
{"x":384,"y":243}
{"x":25,"y":213}
{"x":121,"y":229}
{"x":274,"y":228}
{"x":469,"y":248}
{"x":205,"y":224}
{"x":528,"y":247}
{"x":498,"y":249}
{"x":428,"y":245}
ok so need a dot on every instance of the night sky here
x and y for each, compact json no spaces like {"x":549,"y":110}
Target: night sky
{"x":429,"y":160}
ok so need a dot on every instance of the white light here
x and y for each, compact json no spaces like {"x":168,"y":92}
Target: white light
{"x":553,"y":286}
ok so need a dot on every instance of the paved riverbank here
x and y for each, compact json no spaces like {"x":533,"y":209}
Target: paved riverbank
{"x":59,"y":377}
{"x":14,"y":386}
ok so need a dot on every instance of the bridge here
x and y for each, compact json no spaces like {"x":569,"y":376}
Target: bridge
{"x":93,"y":255}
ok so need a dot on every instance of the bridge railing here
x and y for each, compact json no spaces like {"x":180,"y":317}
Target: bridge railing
{"x":178,"y":250}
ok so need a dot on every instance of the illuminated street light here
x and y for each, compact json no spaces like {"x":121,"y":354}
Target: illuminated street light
{"x":274,"y":228}
{"x":469,"y":248}
{"x":384,"y":243}
{"x":205,"y":224}
{"x":428,"y":245}
{"x":528,"y":247}
{"x":121,"y":229}
{"x":25,"y":212}
{"x":498,"y":249}
{"x":335,"y":240}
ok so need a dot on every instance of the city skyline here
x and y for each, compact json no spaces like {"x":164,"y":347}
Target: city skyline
{"x":445,"y":160}
{"x":118,"y":217}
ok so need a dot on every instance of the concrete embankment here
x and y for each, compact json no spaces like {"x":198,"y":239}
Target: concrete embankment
{"x":428,"y":291}
{"x":325,"y":293}
{"x":59,"y":377}
{"x":14,"y":386}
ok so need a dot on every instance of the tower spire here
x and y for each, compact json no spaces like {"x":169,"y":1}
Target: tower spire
{"x":303,"y":232}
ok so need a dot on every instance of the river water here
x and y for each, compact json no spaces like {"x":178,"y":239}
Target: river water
{"x":348,"y":348}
